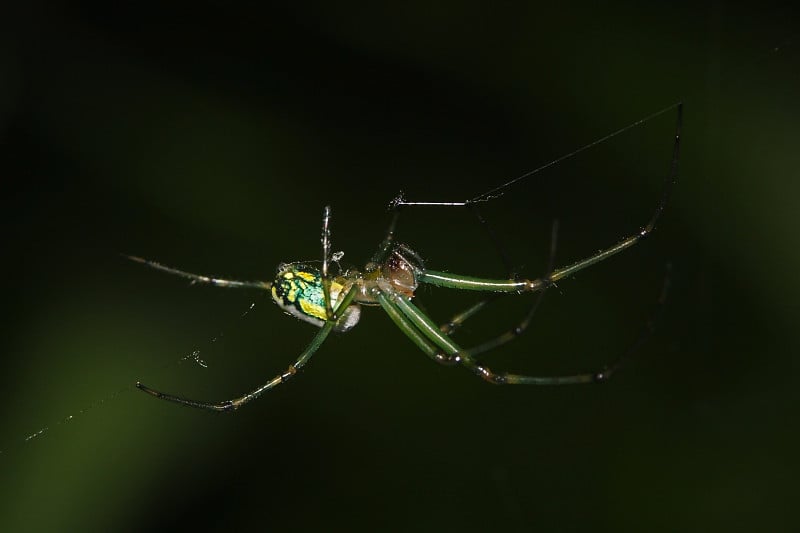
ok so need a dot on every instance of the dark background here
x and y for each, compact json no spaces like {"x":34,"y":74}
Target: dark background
{"x":210,"y":136}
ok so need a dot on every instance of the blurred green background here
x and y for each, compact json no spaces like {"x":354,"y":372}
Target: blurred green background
{"x":210,"y":137}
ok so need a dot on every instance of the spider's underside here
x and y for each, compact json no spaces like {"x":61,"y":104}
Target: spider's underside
{"x":390,"y":279}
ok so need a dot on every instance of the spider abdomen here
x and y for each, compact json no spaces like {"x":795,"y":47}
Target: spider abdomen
{"x":298,"y":291}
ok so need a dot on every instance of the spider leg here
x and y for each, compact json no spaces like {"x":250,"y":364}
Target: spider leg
{"x":456,"y":281}
{"x":326,"y":253}
{"x":411,"y":331}
{"x":500,"y":190}
{"x":386,"y":244}
{"x":383,"y":250}
{"x":197,"y":278}
{"x":646,"y":332}
{"x":400,"y":202}
{"x":493,"y":238}
{"x":520,"y":328}
{"x":232,"y":405}
{"x":589,"y":377}
{"x":426,"y":335}
{"x":458,"y":320}
{"x":235,"y":403}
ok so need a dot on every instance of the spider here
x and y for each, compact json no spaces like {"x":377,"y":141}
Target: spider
{"x":390,"y":279}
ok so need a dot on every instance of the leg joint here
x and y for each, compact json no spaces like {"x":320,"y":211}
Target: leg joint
{"x":444,"y":359}
{"x":602,"y":376}
{"x":489,"y":376}
{"x":291,"y":371}
{"x":228,"y":407}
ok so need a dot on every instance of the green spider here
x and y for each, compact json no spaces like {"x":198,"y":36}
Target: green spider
{"x":390,"y":279}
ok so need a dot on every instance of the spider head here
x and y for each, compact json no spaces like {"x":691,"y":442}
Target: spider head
{"x":299,"y":292}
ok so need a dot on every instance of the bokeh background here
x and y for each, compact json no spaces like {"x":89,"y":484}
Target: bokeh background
{"x":209,"y":137}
